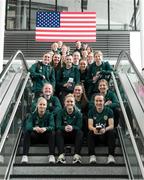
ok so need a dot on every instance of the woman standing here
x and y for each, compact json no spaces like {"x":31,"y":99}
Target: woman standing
{"x":42,"y":72}
{"x":97,"y":70}
{"x":67,"y":78}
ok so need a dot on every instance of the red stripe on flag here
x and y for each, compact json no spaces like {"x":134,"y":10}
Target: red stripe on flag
{"x":71,"y":25}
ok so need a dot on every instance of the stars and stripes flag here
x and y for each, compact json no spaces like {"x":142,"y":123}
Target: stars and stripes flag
{"x":65,"y":26}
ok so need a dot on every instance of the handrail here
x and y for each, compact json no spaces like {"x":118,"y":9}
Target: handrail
{"x":13,"y":114}
{"x":122,"y":53}
{"x":19,"y":52}
{"x":128,"y":126}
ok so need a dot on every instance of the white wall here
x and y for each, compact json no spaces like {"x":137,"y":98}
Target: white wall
{"x":135,"y":49}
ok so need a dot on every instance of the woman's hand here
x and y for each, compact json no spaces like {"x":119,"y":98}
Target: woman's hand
{"x":39,"y":130}
{"x":102,"y":131}
{"x":68,"y":128}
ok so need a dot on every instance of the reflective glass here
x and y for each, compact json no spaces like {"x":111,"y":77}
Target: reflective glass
{"x":101,"y":9}
{"x":43,"y":5}
{"x":21,"y":14}
{"x":17,"y":14}
{"x":7,"y":149}
{"x":69,"y":5}
{"x":121,"y":13}
{"x":125,"y":67}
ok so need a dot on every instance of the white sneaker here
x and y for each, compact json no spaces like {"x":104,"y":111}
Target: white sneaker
{"x":61,"y":159}
{"x":92,"y":159}
{"x":24,"y":159}
{"x":51,"y":159}
{"x":76,"y":159}
{"x":110,"y":159}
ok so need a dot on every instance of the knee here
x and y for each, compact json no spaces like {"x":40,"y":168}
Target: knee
{"x":80,"y":133}
{"x":58,"y":132}
{"x":52,"y":133}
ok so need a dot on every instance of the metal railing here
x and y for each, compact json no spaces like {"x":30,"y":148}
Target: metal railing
{"x":8,"y":65}
{"x":130,"y":131}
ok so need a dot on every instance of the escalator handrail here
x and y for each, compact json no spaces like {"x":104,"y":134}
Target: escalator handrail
{"x":128,"y":126}
{"x":13,"y":113}
{"x":13,"y":57}
{"x":125,"y":53}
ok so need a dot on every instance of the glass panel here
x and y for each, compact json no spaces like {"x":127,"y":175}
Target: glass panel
{"x":137,"y":84}
{"x":17,"y":14}
{"x":101,"y":9}
{"x":69,"y":5}
{"x":16,"y":73}
{"x":121,"y":13}
{"x":14,"y":129}
{"x":43,"y":5}
{"x":126,"y":68}
{"x":134,"y":166}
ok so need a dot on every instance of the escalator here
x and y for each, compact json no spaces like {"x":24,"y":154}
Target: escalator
{"x":128,"y":80}
{"x":128,"y":166}
{"x":14,"y":103}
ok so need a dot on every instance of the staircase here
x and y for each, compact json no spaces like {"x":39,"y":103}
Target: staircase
{"x":39,"y":168}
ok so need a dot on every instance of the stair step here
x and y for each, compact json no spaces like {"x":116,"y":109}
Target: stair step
{"x":44,"y":177}
{"x":45,"y":150}
{"x":70,"y":170}
{"x":85,"y":159}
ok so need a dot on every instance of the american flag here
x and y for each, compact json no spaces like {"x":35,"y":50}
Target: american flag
{"x":65,"y":26}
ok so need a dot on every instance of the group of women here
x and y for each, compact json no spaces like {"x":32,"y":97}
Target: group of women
{"x":72,"y":102}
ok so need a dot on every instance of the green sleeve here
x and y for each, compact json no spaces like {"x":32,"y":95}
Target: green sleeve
{"x":114,"y":99}
{"x":59,"y":120}
{"x":89,"y":74}
{"x":34,"y":74}
{"x":33,"y":105}
{"x":107,"y":68}
{"x":52,"y":77}
{"x":57,"y":105}
{"x":51,"y":126}
{"x":78,"y":124}
{"x":77,"y":76}
{"x":29,"y":123}
{"x":60,"y":81}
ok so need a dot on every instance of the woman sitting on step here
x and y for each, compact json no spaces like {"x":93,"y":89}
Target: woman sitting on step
{"x":39,"y":128}
{"x":101,"y":128}
{"x":69,"y":124}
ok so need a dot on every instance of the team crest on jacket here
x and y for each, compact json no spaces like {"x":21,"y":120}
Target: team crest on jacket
{"x":105,"y":118}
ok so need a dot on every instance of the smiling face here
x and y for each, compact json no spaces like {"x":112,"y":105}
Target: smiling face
{"x":78,"y":91}
{"x":69,"y":61}
{"x":76,"y":58}
{"x":99,"y":102}
{"x":69,"y":103}
{"x":98,"y":57}
{"x":56,"y":59}
{"x":46,"y":59}
{"x":41,"y":105}
{"x":90,"y":58}
{"x":83,"y":65}
{"x":103,"y":86}
{"x":47,"y":90}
